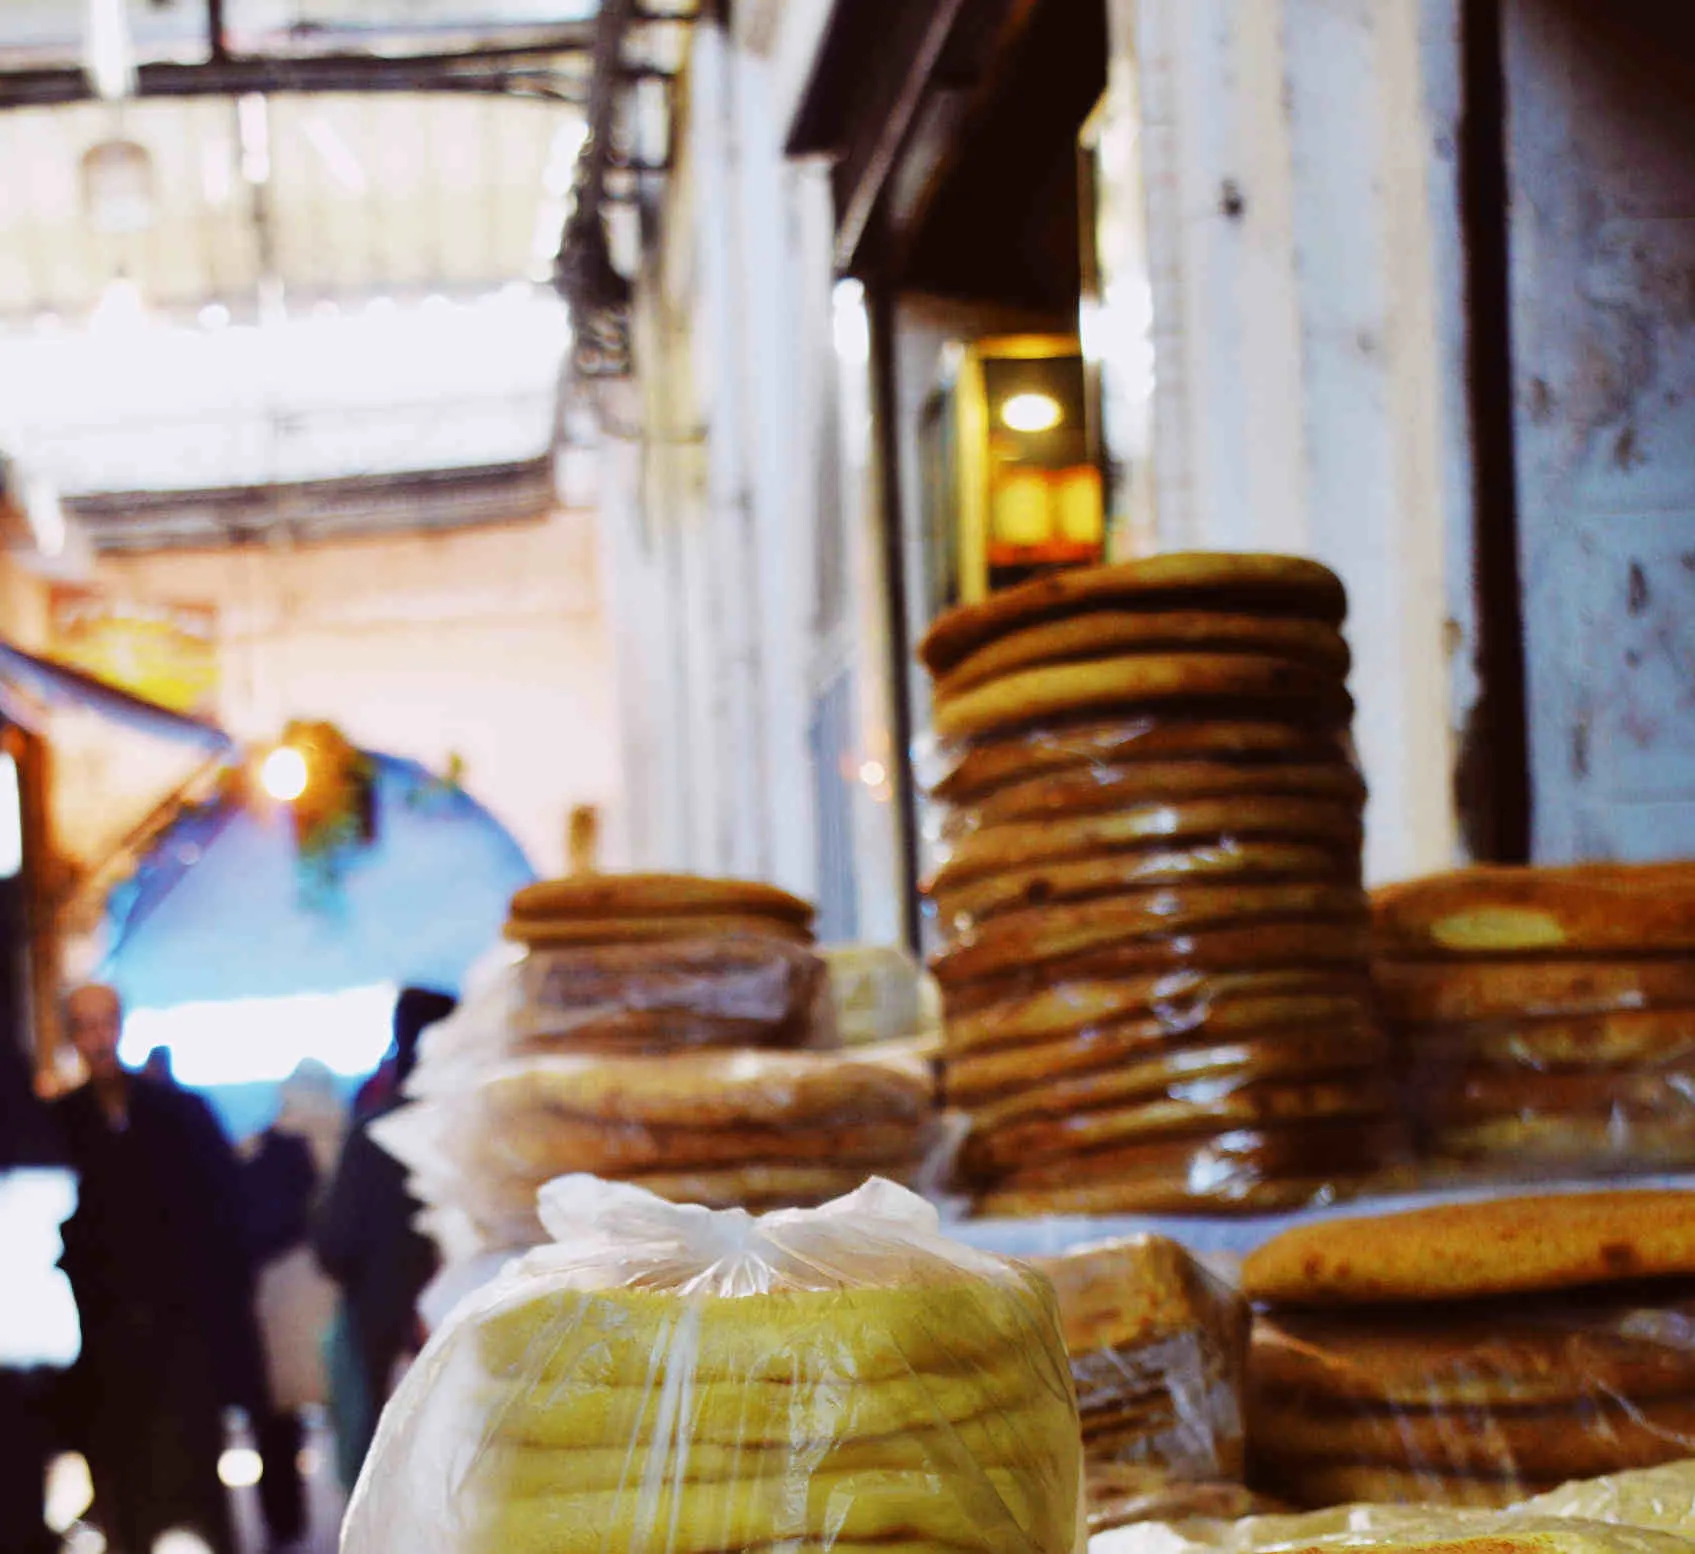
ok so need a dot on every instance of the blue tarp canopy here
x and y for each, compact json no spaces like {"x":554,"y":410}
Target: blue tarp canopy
{"x":218,"y":910}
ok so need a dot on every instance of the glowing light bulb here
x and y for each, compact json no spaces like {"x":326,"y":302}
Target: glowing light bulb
{"x":284,"y":774}
{"x":1032,"y":412}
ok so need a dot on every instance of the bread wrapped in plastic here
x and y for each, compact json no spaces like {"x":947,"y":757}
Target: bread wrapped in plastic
{"x":728,"y":1129}
{"x":670,"y":1380}
{"x":1544,"y":1017}
{"x":1475,"y":1353}
{"x":1158,"y":1350}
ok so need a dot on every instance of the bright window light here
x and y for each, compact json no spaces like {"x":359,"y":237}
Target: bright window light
{"x":11,"y":820}
{"x":1032,"y":413}
{"x":38,"y":1317}
{"x":258,"y":1040}
{"x":284,"y":774}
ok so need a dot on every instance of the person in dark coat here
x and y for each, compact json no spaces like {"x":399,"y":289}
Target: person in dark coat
{"x":366,"y":1241}
{"x":157,"y":1259}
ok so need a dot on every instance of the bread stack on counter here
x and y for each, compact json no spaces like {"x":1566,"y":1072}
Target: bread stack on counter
{"x":1545,"y":1018}
{"x":1476,"y":1353}
{"x":1155,"y":968}
{"x":1158,"y":1351}
{"x":667,"y":1030}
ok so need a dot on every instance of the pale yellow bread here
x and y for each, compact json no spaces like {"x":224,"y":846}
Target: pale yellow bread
{"x":590,"y":896}
{"x":997,"y":849}
{"x":1223,"y":861}
{"x":1237,"y":582}
{"x":982,"y":1510}
{"x":1180,"y":1001}
{"x":1067,"y":690}
{"x":1467,"y":1250}
{"x":1591,"y":908}
{"x":1451,"y":992}
{"x":1109,"y":633}
{"x":1002,"y":949}
{"x":970,"y":771}
{"x":1244,"y":1102}
{"x":1089,"y":789}
{"x":1466,"y":1359}
{"x":1155,"y":1074}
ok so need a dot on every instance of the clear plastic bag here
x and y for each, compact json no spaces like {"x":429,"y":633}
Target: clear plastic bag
{"x":1159,"y":1351}
{"x":669,"y":1380}
{"x":728,"y":1129}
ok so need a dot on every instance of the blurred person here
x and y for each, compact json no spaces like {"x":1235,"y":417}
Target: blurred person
{"x":284,"y":1176}
{"x":157,"y":1261}
{"x":367,"y":1243}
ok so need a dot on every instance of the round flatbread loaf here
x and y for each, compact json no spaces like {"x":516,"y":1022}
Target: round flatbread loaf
{"x":1091,"y":789}
{"x":1110,"y":633}
{"x":618,"y":1032}
{"x":1464,"y":1251}
{"x":1238,"y":582}
{"x":1585,"y":909}
{"x":977,"y":1078}
{"x":1238,"y":1102}
{"x":1623,"y":1039}
{"x":1587,"y":1141}
{"x":544,"y":932}
{"x":1182,"y":1002}
{"x":1315,"y":1051}
{"x":1180,"y":909}
{"x":656,"y":895}
{"x":1021,"y":845}
{"x":1343,"y":1483}
{"x":1019,"y":944}
{"x":1169,"y":1195}
{"x":1455,"y":1359}
{"x":1458,"y":992}
{"x":1085,"y":879}
{"x":766,"y":1187}
{"x":1108,"y":684}
{"x":965,"y":773}
{"x":1470,"y":1094}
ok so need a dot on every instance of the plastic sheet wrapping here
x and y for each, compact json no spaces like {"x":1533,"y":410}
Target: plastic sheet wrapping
{"x":1544,"y":1018}
{"x":668,"y":1380}
{"x":749,"y":1129}
{"x":1144,"y":854}
{"x":880,"y":993}
{"x":1158,"y":1350}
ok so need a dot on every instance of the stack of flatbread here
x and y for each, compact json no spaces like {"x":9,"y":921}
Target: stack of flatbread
{"x":632,"y":963}
{"x":1156,"y":963}
{"x":1474,"y":1354}
{"x":1545,"y":1017}
{"x":755,"y":1130}
{"x":1158,"y":1351}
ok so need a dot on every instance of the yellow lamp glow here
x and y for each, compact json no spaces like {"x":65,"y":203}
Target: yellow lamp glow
{"x":284,"y":774}
{"x":1032,"y":412}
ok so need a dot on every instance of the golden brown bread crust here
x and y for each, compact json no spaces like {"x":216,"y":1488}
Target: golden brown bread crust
{"x":1244,"y":862}
{"x":1452,"y":992}
{"x":1297,"y":1054}
{"x":1138,"y":1291}
{"x":545,"y":932}
{"x":1463,"y":1358}
{"x":996,"y":952}
{"x":1600,"y":1139}
{"x":1108,"y":684}
{"x":1244,"y":1102}
{"x":997,"y":849}
{"x":1622,"y":1039}
{"x":1091,"y":789}
{"x":1162,"y":1195}
{"x":656,"y":895}
{"x":1469,"y":1250}
{"x":1240,"y":582}
{"x":1325,"y":1484}
{"x":984,"y":765}
{"x":1181,"y":1001}
{"x":977,"y":1078}
{"x":1109,"y":633}
{"x":1593,"y":908}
